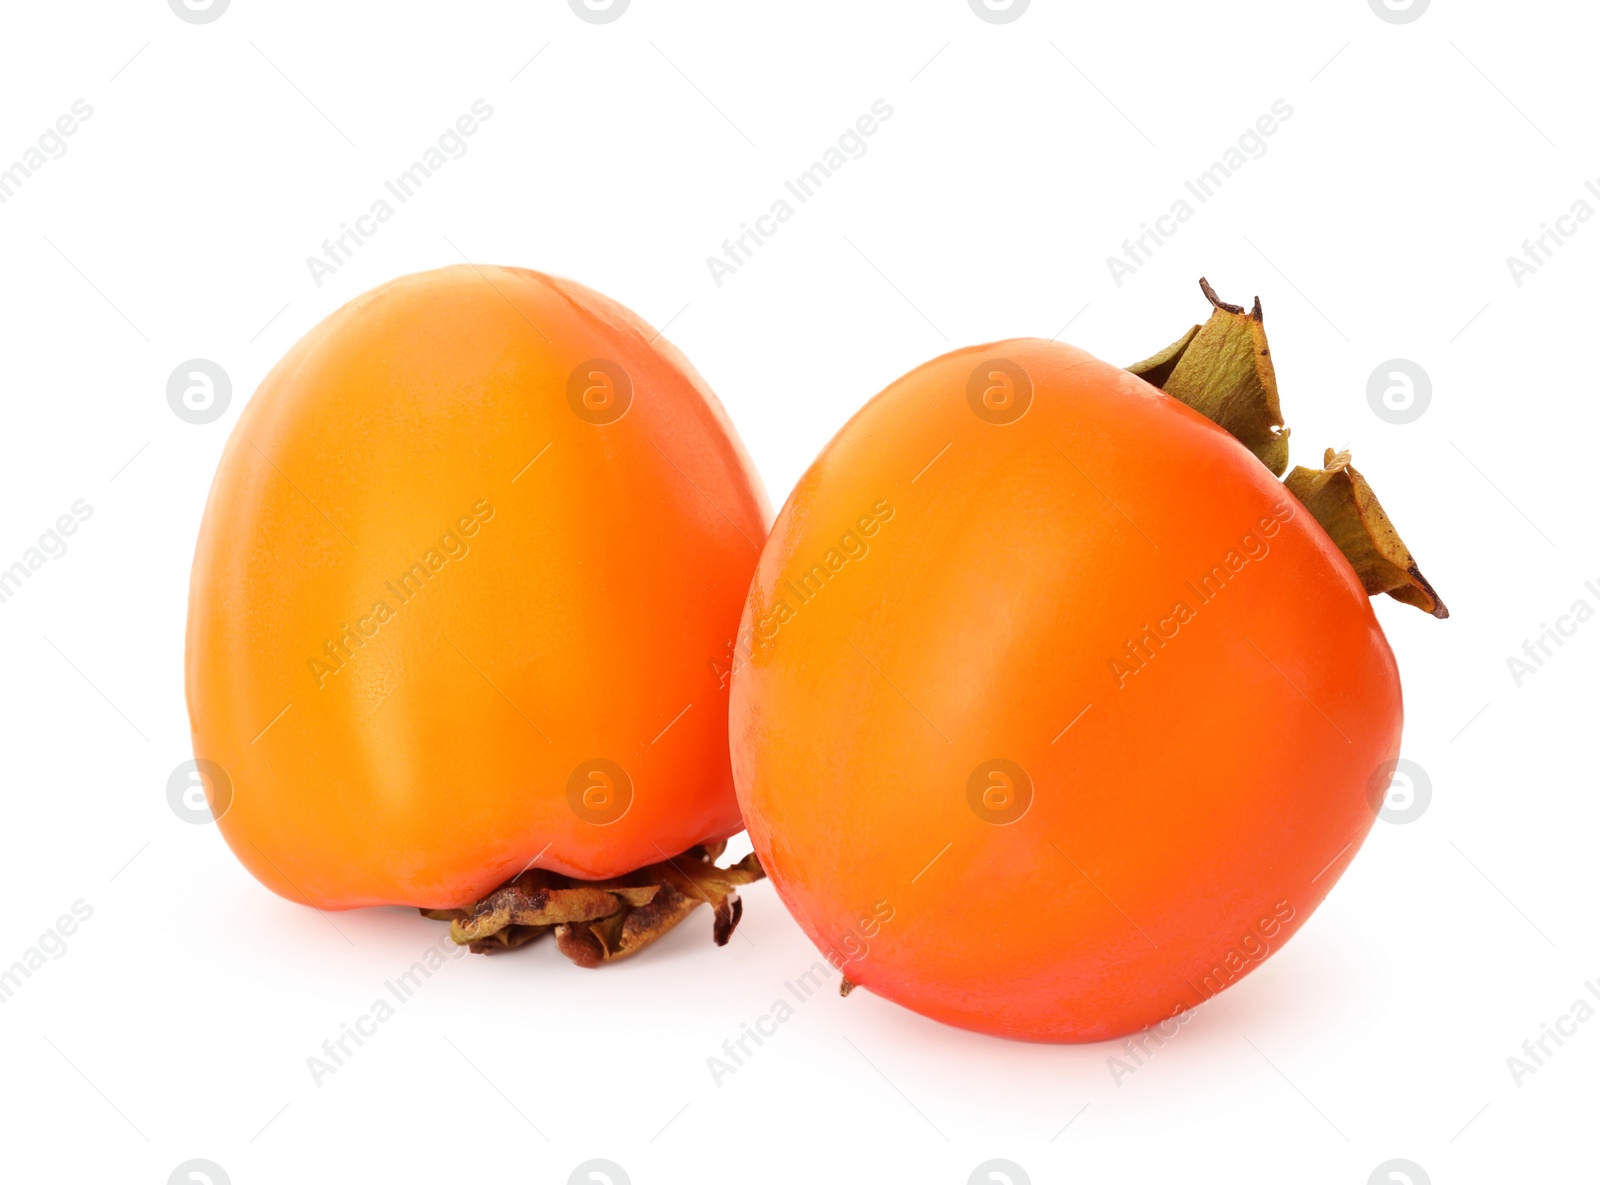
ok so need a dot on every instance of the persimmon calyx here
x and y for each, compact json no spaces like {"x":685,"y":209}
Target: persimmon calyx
{"x":1224,"y":371}
{"x":1340,"y":499}
{"x":597,"y":922}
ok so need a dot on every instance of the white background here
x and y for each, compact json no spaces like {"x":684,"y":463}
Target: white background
{"x":178,"y":1023}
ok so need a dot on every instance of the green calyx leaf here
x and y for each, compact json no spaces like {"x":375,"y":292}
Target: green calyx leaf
{"x":1223,"y":370}
{"x":1341,"y":500}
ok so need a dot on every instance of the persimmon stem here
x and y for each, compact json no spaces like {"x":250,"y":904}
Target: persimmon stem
{"x":597,"y":922}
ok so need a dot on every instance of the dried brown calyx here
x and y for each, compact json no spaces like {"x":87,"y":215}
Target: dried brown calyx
{"x":1223,"y":370}
{"x":597,"y":922}
{"x":1340,"y":499}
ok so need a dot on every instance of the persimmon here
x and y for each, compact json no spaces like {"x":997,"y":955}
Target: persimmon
{"x":461,"y":615}
{"x":1054,"y":712}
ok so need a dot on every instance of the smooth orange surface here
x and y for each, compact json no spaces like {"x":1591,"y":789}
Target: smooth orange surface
{"x":943,"y":592}
{"x":573,"y":592}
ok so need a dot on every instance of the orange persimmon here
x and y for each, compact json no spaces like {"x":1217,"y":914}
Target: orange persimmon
{"x":465,"y":595}
{"x":1053,"y":712}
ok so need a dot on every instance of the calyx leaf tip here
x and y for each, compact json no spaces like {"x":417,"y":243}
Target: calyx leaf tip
{"x":1341,"y":499}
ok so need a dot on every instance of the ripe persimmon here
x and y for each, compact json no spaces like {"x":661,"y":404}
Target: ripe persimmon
{"x":1054,"y":713}
{"x":462,"y":609}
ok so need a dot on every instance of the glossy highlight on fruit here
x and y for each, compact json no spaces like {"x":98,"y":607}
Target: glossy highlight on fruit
{"x":1054,"y":714}
{"x":465,"y":596}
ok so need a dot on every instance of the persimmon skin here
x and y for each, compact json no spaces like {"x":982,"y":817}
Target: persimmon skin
{"x":1188,"y":811}
{"x":580,"y":589}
